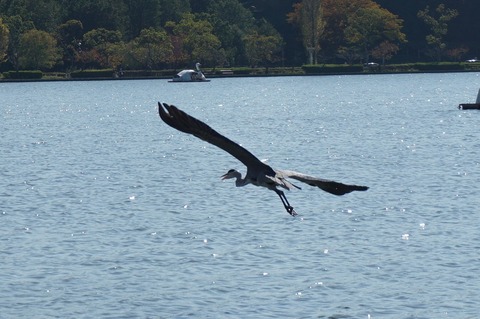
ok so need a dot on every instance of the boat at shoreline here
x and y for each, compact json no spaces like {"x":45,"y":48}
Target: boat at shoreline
{"x":471,"y":106}
{"x":190,"y":75}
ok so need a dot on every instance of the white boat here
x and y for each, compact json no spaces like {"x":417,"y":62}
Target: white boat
{"x":190,"y":75}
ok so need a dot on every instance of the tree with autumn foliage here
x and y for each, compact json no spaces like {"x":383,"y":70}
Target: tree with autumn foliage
{"x":94,"y":51}
{"x":215,"y":31}
{"x":357,"y":29}
{"x":384,"y":51}
{"x":349,"y":29}
{"x":374,"y":29}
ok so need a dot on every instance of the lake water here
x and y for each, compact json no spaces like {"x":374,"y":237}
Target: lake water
{"x":106,"y":212}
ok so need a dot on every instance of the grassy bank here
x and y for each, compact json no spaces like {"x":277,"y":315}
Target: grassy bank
{"x":319,"y":69}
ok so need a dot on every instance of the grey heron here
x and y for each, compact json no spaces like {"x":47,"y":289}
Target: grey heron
{"x":258,"y":173}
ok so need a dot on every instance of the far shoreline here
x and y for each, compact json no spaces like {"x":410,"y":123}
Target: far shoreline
{"x":48,"y":78}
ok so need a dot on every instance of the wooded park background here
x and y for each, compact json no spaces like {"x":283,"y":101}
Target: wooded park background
{"x":69,"y":35}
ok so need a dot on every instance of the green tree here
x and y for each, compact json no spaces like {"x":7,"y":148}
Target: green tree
{"x":196,"y":38}
{"x":262,"y":49}
{"x":69,"y":35}
{"x":118,"y":54}
{"x":142,"y":14}
{"x":97,"y":14}
{"x":151,"y":48}
{"x":94,"y":51}
{"x":438,"y":26}
{"x":99,"y":38}
{"x":16,"y":26}
{"x":38,"y":50}
{"x":45,"y":14}
{"x":172,"y":10}
{"x":230,"y":21}
{"x":308,"y":16}
{"x":4,"y":36}
{"x":350,"y":54}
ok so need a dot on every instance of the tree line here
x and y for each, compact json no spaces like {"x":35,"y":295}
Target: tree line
{"x":70,"y":35}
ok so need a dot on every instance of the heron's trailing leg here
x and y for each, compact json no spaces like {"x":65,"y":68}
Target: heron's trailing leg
{"x":285,"y":202}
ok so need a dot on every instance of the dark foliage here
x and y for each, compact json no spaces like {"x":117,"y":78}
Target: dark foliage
{"x":130,"y":17}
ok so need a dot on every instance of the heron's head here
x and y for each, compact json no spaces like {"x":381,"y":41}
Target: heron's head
{"x":230,"y":174}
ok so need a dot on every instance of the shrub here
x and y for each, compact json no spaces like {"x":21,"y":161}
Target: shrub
{"x":243,"y":70}
{"x":89,"y":74}
{"x":23,"y":75}
{"x":146,"y":73}
{"x":332,"y":68}
{"x":441,"y":66}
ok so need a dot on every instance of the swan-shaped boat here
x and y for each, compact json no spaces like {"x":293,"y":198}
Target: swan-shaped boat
{"x":190,"y":75}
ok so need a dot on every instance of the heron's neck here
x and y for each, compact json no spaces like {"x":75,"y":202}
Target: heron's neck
{"x":239,"y":181}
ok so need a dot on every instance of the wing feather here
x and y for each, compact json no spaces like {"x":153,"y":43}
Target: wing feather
{"x":329,"y":186}
{"x":183,"y":122}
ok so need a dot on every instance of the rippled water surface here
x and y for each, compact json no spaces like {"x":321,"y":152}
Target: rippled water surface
{"x":106,"y":212}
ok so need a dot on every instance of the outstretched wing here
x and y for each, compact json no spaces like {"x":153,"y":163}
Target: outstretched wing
{"x":331,"y":187}
{"x":181,"y":121}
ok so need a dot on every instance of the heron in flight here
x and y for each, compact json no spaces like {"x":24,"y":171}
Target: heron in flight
{"x":258,"y":173}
